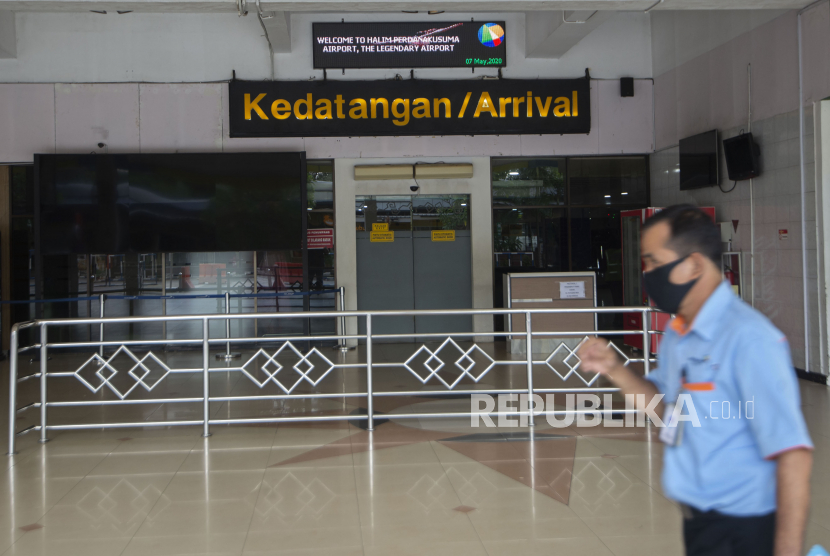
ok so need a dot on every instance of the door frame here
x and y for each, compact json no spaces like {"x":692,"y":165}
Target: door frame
{"x":481,"y":252}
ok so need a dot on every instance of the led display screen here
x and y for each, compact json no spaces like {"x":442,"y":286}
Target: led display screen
{"x":445,"y":44}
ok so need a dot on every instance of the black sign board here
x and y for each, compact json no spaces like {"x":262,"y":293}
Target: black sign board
{"x":336,"y":108}
{"x":445,"y":44}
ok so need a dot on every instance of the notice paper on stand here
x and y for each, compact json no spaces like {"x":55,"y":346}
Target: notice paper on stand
{"x":572,"y":290}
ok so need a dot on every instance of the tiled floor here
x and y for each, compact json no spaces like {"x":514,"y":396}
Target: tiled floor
{"x":411,"y":487}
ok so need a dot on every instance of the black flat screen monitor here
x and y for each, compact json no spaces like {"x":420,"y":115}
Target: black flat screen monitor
{"x":699,"y":161}
{"x":170,"y":202}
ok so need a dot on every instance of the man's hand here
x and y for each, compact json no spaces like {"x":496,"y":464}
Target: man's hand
{"x":598,"y":357}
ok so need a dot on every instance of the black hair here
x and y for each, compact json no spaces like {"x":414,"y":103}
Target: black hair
{"x":692,"y":231}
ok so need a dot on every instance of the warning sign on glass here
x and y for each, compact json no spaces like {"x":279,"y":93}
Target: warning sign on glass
{"x":447,"y":44}
{"x":320,"y":238}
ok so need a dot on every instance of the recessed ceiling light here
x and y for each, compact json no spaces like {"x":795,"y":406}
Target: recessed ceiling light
{"x":608,"y":196}
{"x":102,"y":12}
{"x":435,"y":12}
{"x":124,"y":12}
{"x":624,"y":193}
{"x":406,"y":12}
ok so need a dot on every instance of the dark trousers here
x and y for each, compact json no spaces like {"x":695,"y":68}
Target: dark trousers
{"x":715,"y":534}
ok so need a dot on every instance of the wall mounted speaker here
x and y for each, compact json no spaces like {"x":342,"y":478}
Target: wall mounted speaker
{"x":626,"y":86}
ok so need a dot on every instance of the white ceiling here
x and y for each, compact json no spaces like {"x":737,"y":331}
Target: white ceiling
{"x":340,"y":6}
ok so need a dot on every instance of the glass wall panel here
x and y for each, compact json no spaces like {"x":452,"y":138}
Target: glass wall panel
{"x":596,"y":240}
{"x":321,"y":260}
{"x":563,"y":214}
{"x":608,"y":181}
{"x":528,"y":240}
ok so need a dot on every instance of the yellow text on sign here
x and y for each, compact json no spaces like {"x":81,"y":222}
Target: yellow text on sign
{"x":443,"y":235}
{"x":380,"y":227}
{"x":382,"y":237}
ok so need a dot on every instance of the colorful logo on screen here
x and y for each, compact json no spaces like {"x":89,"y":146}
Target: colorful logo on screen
{"x":491,"y":34}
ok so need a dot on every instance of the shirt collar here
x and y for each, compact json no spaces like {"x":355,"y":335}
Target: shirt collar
{"x":710,"y":315}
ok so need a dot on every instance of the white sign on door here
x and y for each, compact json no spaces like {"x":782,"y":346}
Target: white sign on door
{"x":572,"y":290}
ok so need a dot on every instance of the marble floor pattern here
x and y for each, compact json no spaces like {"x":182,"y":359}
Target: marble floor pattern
{"x":412,"y":486}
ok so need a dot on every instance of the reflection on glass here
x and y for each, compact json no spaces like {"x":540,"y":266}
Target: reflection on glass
{"x":608,"y":180}
{"x":530,"y":238}
{"x":528,"y":182}
{"x":320,"y":216}
{"x":596,"y":239}
{"x":527,"y":240}
{"x":320,"y":185}
{"x":413,"y":213}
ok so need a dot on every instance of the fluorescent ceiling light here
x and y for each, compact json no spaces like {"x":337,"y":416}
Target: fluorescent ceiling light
{"x":513,"y":173}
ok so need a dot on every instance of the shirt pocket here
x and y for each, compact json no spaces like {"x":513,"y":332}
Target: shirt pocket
{"x":700,"y":376}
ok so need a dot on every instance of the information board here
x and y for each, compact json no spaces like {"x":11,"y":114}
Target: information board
{"x":320,"y":238}
{"x":444,"y":44}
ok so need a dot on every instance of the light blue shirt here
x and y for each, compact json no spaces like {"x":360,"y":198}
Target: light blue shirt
{"x":734,"y":355}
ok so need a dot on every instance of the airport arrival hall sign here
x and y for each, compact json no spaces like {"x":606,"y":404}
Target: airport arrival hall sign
{"x":335,"y":108}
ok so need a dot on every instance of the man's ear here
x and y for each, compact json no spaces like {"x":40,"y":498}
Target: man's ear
{"x":700,"y":262}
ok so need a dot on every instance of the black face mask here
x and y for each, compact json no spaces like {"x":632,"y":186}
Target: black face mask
{"x":666,"y":296}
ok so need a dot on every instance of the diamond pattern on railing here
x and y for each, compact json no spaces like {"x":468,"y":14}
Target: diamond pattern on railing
{"x":621,"y":354}
{"x":572,"y":361}
{"x":434,"y":363}
{"x":107,"y":372}
{"x":304,"y":367}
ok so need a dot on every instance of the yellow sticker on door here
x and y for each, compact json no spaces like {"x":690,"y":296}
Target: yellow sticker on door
{"x":380,"y":227}
{"x":443,"y":235}
{"x":382,"y":237}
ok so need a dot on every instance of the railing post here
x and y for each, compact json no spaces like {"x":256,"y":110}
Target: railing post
{"x":206,"y":376}
{"x":12,"y":390}
{"x":101,"y":327}
{"x":228,"y":325}
{"x":646,"y":341}
{"x":529,"y":341}
{"x":343,"y":346}
{"x":370,"y":411}
{"x":44,"y":356}
{"x":227,"y":356}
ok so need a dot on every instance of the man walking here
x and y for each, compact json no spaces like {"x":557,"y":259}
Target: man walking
{"x":742,"y":477}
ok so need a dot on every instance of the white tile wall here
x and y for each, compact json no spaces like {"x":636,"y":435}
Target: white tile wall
{"x":777,"y":199}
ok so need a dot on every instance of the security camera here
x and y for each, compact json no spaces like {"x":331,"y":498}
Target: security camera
{"x":101,"y":145}
{"x":413,"y":188}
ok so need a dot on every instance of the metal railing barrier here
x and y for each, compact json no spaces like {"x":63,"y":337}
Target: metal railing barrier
{"x":278,"y":379}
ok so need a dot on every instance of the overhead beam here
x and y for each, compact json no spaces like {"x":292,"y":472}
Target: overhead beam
{"x":278,"y":27}
{"x":552,"y":34}
{"x":8,"y":36}
{"x":392,"y":6}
